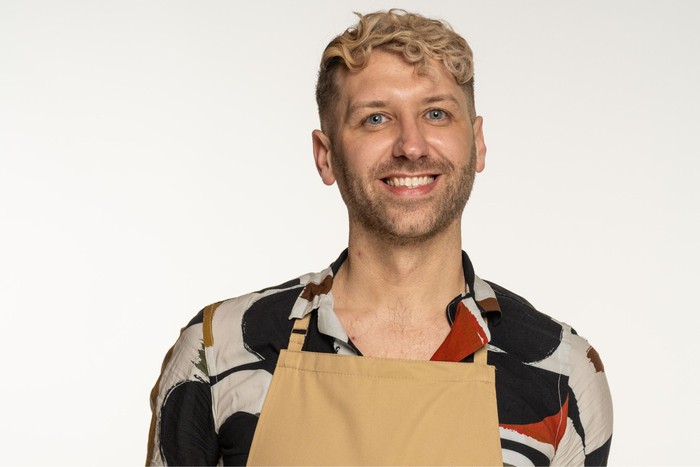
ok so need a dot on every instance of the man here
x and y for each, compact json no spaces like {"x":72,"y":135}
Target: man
{"x":388,"y":355}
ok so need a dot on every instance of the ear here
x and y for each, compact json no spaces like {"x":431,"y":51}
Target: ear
{"x":479,"y":143}
{"x":322,"y":156}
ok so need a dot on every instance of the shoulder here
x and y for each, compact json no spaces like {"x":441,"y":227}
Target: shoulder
{"x":523,"y":331}
{"x":235,"y":325}
{"x":248,"y":331}
{"x":221,"y":327}
{"x":231,"y":311}
{"x":539,"y":337}
{"x":540,"y":341}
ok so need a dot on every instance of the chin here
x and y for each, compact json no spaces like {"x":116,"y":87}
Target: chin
{"x":402,"y":233}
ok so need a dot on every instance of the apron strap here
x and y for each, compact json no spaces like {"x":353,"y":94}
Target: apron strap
{"x":298,"y":335}
{"x":481,"y":354}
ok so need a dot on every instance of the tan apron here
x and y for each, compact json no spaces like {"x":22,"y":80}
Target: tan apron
{"x":327,"y":409}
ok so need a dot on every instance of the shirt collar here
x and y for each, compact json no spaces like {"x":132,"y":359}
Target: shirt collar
{"x":480,"y":293}
{"x":479,"y":298}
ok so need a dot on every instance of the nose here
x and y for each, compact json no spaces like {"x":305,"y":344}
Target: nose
{"x":410,"y":142}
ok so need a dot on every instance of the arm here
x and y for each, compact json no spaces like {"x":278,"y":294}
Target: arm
{"x":590,"y":420}
{"x":182,"y":425}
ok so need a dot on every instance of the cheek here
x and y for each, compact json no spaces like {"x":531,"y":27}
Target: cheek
{"x":455,"y":147}
{"x":363,"y":152}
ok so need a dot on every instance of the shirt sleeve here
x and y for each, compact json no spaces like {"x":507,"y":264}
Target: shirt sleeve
{"x":182,"y":428}
{"x":590,"y":421}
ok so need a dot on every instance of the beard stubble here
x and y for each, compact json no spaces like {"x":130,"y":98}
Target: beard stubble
{"x":397,"y":220}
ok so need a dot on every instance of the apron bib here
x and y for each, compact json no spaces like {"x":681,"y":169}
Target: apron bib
{"x":327,"y":409}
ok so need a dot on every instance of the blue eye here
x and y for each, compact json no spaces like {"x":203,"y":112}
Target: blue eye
{"x":436,"y":114}
{"x":375,"y":119}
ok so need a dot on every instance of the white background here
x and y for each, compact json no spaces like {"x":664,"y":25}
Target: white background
{"x":156,"y":157}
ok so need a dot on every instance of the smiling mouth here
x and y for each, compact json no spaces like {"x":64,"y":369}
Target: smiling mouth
{"x":409,"y":182}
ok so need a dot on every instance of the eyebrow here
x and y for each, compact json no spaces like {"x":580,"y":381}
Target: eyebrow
{"x":354,"y":108}
{"x":441,"y":98}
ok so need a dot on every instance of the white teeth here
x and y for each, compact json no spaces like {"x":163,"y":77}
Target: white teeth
{"x":409,"y":182}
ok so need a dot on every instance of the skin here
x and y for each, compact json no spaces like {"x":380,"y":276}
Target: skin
{"x":404,"y":262}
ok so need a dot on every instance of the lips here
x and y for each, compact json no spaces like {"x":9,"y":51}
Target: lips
{"x":410,"y":182}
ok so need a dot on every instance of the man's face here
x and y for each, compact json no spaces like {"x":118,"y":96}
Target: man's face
{"x":404,"y":151}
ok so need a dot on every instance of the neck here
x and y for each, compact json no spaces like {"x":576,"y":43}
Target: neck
{"x":421,"y":277}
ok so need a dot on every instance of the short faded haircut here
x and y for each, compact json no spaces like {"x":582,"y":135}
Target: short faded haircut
{"x":414,"y":37}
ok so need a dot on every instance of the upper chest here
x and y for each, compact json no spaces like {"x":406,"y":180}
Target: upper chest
{"x":393,"y":335}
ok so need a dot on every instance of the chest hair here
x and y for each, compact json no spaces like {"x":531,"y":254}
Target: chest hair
{"x":396,"y":332}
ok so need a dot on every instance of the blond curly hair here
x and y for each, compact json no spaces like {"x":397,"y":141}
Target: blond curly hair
{"x":415,"y":37}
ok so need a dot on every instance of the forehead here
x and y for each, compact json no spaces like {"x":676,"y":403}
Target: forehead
{"x":389,"y":78}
